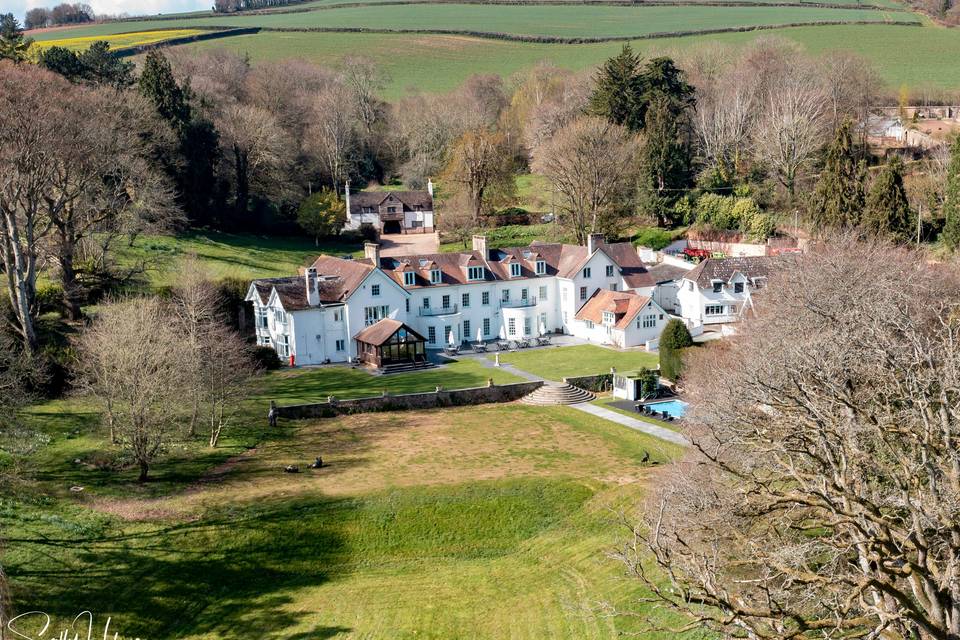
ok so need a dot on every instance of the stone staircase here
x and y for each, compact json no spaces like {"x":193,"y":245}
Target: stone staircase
{"x":556,"y":393}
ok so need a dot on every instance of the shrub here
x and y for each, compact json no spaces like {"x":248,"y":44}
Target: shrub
{"x":673,"y":340}
{"x":49,"y":297}
{"x":265,"y":358}
{"x":654,"y":238}
{"x":761,"y":227}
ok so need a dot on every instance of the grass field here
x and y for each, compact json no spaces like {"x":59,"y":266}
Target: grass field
{"x":582,"y":360}
{"x":903,"y":55}
{"x":227,"y":255}
{"x":494,"y":519}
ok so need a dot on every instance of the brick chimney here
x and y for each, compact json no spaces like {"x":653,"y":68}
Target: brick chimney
{"x":480,"y":244}
{"x":371,"y":251}
{"x":313,"y":293}
{"x":594,"y":242}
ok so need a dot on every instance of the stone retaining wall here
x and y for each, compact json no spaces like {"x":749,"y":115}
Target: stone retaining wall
{"x":598,"y":382}
{"x":429,"y":400}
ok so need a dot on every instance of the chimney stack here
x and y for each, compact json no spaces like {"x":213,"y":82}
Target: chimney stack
{"x":430,"y":187}
{"x":371,"y":251}
{"x":594,"y":242}
{"x":480,"y":244}
{"x":313,"y":293}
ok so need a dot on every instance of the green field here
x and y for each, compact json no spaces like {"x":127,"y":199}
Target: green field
{"x":561,"y":362}
{"x":494,"y":519}
{"x":903,"y":55}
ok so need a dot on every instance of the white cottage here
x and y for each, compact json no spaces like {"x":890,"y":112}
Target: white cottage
{"x":720,"y":290}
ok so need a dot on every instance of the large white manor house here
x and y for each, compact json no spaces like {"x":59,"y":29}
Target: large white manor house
{"x":601,"y":292}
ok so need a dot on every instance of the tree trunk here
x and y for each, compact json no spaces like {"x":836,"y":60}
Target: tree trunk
{"x":19,"y":289}
{"x":144,"y":468}
{"x":243,"y":183}
{"x":68,"y":279}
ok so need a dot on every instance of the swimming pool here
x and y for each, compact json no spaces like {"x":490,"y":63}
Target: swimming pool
{"x":674,"y":408}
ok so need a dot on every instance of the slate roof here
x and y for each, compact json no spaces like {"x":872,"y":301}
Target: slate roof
{"x":624,"y":305}
{"x":409,"y":199}
{"x":563,"y":260}
{"x":723,"y":269}
{"x":664,"y":272}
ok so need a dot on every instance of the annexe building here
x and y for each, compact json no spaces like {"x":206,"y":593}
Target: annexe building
{"x":482,"y":294}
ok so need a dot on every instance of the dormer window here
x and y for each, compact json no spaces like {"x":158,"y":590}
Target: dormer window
{"x":717,"y":287}
{"x":541,"y":267}
{"x":435,"y":276}
{"x":409,"y":278}
{"x":738,"y":287}
{"x":514,"y":270}
{"x":475,"y":273}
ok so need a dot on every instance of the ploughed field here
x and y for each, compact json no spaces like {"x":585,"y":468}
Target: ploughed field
{"x":447,"y":42}
{"x":492,"y":519}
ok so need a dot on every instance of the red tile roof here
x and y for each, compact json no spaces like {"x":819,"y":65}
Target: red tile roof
{"x":624,"y":305}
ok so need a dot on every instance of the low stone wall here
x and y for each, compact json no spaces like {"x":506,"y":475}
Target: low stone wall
{"x":428,"y":400}
{"x":598,"y":382}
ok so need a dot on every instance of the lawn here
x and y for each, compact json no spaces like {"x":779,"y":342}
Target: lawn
{"x":227,"y":255}
{"x":563,"y":362}
{"x":495,"y":518}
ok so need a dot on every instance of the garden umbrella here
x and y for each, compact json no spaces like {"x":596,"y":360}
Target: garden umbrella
{"x":479,"y":334}
{"x":503,"y":333}
{"x":452,"y":340}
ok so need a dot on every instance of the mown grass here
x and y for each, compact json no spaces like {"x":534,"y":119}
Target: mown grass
{"x":423,"y":524}
{"x":903,"y":55}
{"x":560,"y":362}
{"x":118,"y":41}
{"x":226,"y":255}
{"x":511,"y":236}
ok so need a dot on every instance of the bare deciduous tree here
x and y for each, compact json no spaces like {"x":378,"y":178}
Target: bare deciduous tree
{"x":333,"y":134}
{"x":480,"y":170}
{"x":820,"y":497}
{"x":592,"y":165}
{"x":226,"y":370}
{"x":131,"y":359}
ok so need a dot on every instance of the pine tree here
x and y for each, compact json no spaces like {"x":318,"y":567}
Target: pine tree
{"x":159,"y":86}
{"x":839,"y":197}
{"x":951,"y":203}
{"x":660,"y":78}
{"x":618,"y":89}
{"x":665,"y":161}
{"x":888,"y":209}
{"x":13,"y":46}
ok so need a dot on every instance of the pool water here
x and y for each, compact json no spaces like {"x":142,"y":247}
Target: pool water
{"x":675,"y":408}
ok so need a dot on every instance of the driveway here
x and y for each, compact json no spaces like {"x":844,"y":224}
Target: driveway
{"x":409,"y":244}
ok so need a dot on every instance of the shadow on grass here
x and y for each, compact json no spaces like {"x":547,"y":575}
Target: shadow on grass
{"x":230,"y":575}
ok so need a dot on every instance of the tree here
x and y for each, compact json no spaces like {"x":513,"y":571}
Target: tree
{"x":592,"y":166}
{"x":197,"y":306}
{"x":792,"y":123}
{"x":839,"y":198}
{"x":102,"y":67}
{"x":333,"y":134}
{"x":480,"y":169}
{"x":617,"y":89}
{"x":664,"y":159}
{"x":888,"y":208}
{"x":226,"y":369}
{"x":37,"y":18}
{"x":819,"y":497}
{"x":13,"y":46}
{"x":159,"y":86}
{"x":63,"y":61}
{"x":674,"y":338}
{"x":951,"y":199}
{"x":131,"y":360}
{"x":322,"y":214}
{"x":661,"y":80}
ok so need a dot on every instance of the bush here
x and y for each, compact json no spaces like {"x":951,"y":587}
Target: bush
{"x":761,"y":227}
{"x":265,"y":358}
{"x":49,"y":297}
{"x":653,"y":238}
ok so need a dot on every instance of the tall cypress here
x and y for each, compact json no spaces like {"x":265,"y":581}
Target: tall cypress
{"x":839,"y":197}
{"x":951,"y":203}
{"x":665,"y":159}
{"x":159,"y":86}
{"x":888,"y":209}
{"x":617,"y":89}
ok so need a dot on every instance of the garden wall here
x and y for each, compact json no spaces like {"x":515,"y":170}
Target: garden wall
{"x":597,"y":382}
{"x":429,"y":400}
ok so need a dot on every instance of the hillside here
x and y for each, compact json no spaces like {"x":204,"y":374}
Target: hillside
{"x":433,"y":46}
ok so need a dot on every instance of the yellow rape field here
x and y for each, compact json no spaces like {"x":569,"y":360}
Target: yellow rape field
{"x":120,"y":40}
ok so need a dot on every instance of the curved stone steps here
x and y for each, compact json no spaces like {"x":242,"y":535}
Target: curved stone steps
{"x":556,"y":394}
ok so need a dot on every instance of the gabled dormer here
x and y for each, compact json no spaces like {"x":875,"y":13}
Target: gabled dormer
{"x":474,"y":269}
{"x":406,"y":273}
{"x":431,"y":271}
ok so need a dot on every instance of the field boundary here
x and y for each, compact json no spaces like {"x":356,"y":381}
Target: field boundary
{"x":496,"y":35}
